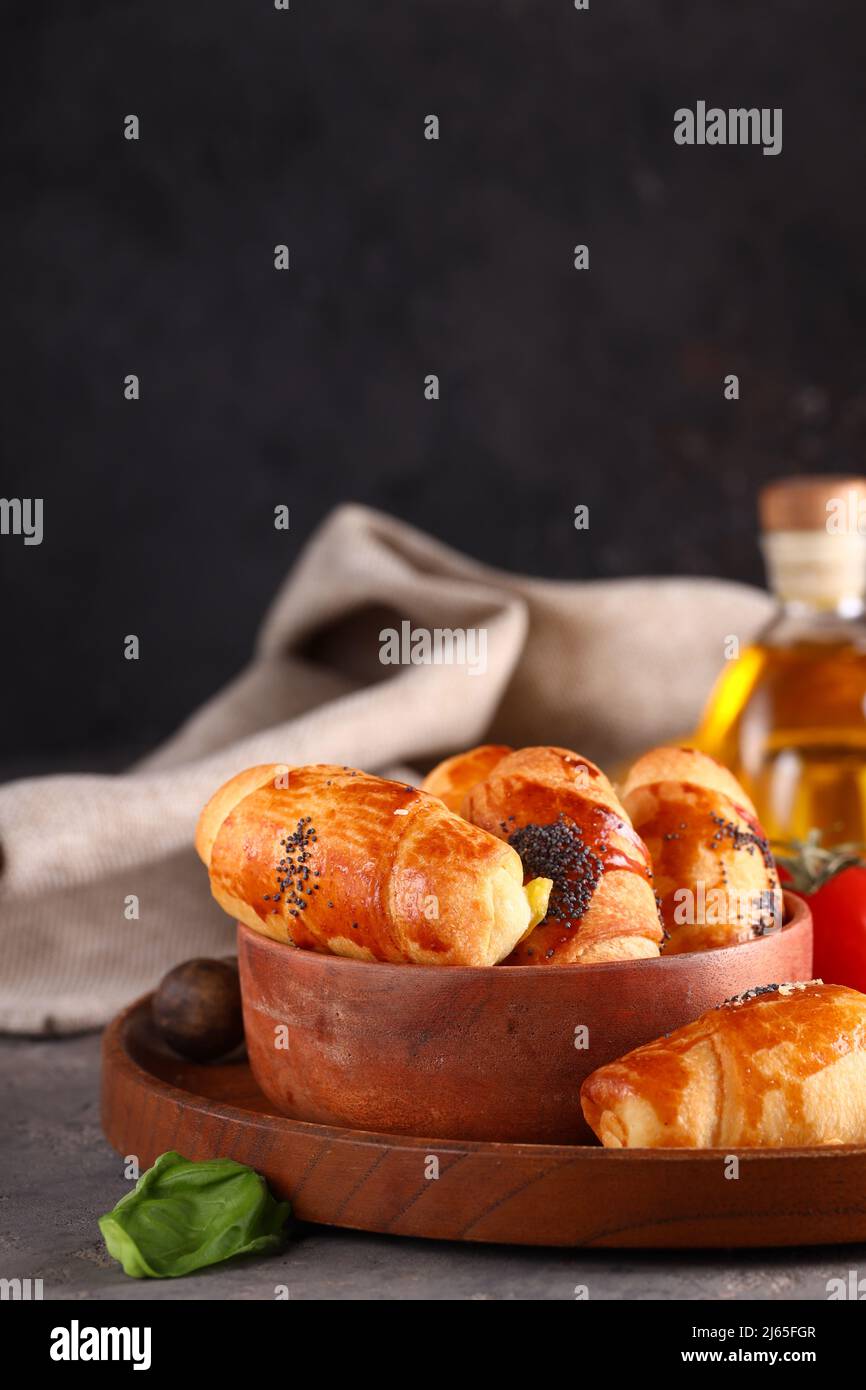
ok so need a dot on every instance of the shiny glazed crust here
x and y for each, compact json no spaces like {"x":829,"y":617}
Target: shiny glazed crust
{"x":333,"y":859}
{"x":776,"y":1068}
{"x":555,"y":787}
{"x":676,"y":764}
{"x":453,"y":779}
{"x":714,"y":875}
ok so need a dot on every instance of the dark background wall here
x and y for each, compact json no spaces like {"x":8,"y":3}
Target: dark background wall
{"x":408,"y":257}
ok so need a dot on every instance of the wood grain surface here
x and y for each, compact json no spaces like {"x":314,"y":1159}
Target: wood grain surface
{"x":523,"y":1194}
{"x":495,"y":1053}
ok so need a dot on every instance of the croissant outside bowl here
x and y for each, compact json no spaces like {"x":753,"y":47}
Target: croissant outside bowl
{"x":495,"y":1053}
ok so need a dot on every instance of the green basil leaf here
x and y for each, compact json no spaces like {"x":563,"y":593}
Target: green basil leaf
{"x":183,"y":1215}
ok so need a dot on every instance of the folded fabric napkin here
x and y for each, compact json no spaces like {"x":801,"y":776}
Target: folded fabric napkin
{"x":606,"y":667}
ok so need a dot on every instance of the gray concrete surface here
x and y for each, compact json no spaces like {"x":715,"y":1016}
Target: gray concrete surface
{"x":57,"y":1175}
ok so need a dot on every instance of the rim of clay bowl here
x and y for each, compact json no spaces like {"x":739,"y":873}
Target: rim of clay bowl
{"x":798,"y":918}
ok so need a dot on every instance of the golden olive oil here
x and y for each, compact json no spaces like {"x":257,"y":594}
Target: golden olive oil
{"x":789,"y":722}
{"x":788,"y":716}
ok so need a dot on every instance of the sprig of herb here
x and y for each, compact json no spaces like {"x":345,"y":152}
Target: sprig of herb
{"x":812,"y":864}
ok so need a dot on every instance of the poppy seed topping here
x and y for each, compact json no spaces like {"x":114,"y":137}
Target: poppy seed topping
{"x":559,"y":851}
{"x":293,"y":869}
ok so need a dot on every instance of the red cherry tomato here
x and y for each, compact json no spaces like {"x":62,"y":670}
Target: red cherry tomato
{"x":839,"y":915}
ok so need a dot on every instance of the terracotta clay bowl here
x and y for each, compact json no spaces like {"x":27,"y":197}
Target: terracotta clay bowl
{"x":461,"y":1053}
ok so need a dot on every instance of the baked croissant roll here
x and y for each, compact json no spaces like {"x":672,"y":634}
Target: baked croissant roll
{"x":332,"y":859}
{"x":781,"y":1065}
{"x":453,"y":779}
{"x":562,"y":816}
{"x":714,"y":874}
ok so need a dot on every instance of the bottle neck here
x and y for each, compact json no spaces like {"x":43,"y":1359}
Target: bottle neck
{"x":817,"y":572}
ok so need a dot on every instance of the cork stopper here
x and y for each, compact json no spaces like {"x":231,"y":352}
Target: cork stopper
{"x":807,"y":504}
{"x":814,"y":539}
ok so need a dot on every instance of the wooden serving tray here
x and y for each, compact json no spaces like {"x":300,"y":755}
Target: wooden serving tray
{"x":522,"y":1194}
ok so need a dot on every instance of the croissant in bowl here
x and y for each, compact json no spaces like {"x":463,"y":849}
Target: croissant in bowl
{"x":561,"y":814}
{"x":715,"y":877}
{"x":333,"y":859}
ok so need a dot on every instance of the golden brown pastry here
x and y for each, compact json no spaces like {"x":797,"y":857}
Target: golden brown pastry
{"x":562,"y":816}
{"x":333,"y":859}
{"x":714,"y":874}
{"x":453,"y":779}
{"x":781,"y":1065}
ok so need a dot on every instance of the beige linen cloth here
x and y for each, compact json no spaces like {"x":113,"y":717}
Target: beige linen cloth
{"x":606,"y":667}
